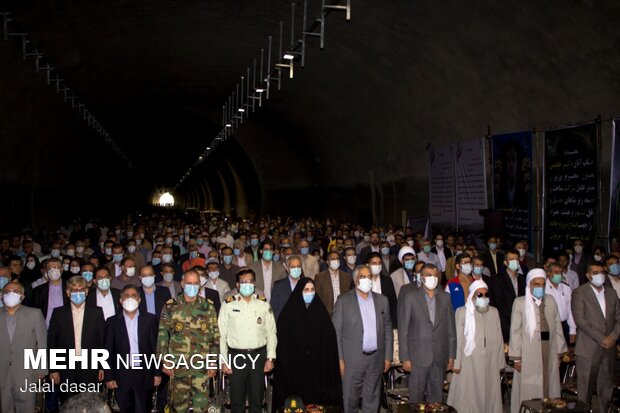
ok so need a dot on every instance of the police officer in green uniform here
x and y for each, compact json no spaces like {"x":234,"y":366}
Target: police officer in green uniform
{"x":188,"y":326}
{"x":248,"y":330}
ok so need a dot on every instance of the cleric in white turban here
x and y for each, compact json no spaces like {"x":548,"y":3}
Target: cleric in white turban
{"x":475,"y":386}
{"x":536,"y":343}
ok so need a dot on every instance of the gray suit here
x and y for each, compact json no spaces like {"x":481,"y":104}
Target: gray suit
{"x":594,"y":364}
{"x":427,"y":345}
{"x":277,"y":273}
{"x":362,"y":373}
{"x":30,"y":333}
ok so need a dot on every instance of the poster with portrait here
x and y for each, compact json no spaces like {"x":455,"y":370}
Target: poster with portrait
{"x":512,"y":184}
{"x":571,"y":186}
{"x":614,"y":207}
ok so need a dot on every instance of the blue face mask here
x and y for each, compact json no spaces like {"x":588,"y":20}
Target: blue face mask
{"x":385,"y":251}
{"x":296,"y":272}
{"x":88,"y":276}
{"x":117,"y":257}
{"x":103,"y":284}
{"x":426,"y":249}
{"x":308,"y":297}
{"x":304,"y":250}
{"x":267,"y":255}
{"x":614,"y":269}
{"x":156,"y":261}
{"x":556,"y":278}
{"x":246,"y":290}
{"x":78,"y":298}
{"x":227,"y":259}
{"x":191,"y":290}
{"x":276,"y":257}
{"x":254,"y":242}
{"x":409,"y":264}
{"x":237,"y":251}
{"x":478,"y":270}
{"x":492,"y":246}
{"x":193,"y":255}
{"x":199,"y":241}
{"x":538,"y":292}
{"x":3,"y":282}
{"x":513,"y":265}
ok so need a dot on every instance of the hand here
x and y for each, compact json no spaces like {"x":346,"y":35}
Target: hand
{"x":41,"y":376}
{"x":268,"y":366}
{"x":518,"y":366}
{"x":407,"y":365}
{"x":608,"y":342}
{"x":55,"y":377}
{"x":100,"y":375}
{"x":572,"y":338}
{"x":168,"y":372}
{"x":226,"y":369}
{"x":341,"y":368}
{"x":450,"y":364}
{"x":111,"y":384}
{"x":156,"y":381}
{"x":211,"y":373}
{"x":387,"y":366}
{"x":456,"y":371}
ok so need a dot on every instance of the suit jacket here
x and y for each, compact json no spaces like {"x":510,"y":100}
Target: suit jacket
{"x":40,"y":297}
{"x":447,"y":252}
{"x":400,"y":278}
{"x":582,"y":267}
{"x":592,"y":327}
{"x":214,"y":296}
{"x":324,"y":289}
{"x":387,"y":289}
{"x":117,"y":343}
{"x":30,"y":333}
{"x":176,"y":286}
{"x":364,"y":253}
{"x":488,"y":262}
{"x":277,"y":273}
{"x":347,"y":319}
{"x":249,"y":259}
{"x":91,"y":298}
{"x":60,"y":335}
{"x":419,"y":340}
{"x":162,"y":294}
{"x":279,"y":295}
{"x":502,"y":296}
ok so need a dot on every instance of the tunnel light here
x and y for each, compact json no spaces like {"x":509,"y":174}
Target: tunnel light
{"x":260,"y":90}
{"x":228,"y":125}
{"x":241,"y":110}
{"x":208,"y":148}
{"x":288,"y":56}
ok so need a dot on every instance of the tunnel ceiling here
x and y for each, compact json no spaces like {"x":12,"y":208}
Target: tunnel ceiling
{"x":399,"y":75}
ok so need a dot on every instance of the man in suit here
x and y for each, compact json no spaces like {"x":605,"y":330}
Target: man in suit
{"x":79,"y":327}
{"x":382,"y":284}
{"x":214,"y":279}
{"x":114,"y":265}
{"x":596,"y":311}
{"x":365,"y":342}
{"x":443,"y":253}
{"x":404,"y":275}
{"x":152,"y":297}
{"x":426,"y":336}
{"x":50,"y":295}
{"x":22,"y":328}
{"x":127,"y":276}
{"x":389,"y":261}
{"x":167,"y":275}
{"x":241,"y":258}
{"x":580,"y":261}
{"x":103,"y":296}
{"x":332,"y":282}
{"x":507,"y":286}
{"x":132,"y":332}
{"x":228,"y":270}
{"x":373,"y":247}
{"x":267,"y":271}
{"x":282,"y":288}
{"x":492,"y":258}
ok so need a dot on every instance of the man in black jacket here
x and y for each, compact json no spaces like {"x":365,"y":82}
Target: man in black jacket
{"x":507,"y":286}
{"x":152,"y":297}
{"x":383,"y":284}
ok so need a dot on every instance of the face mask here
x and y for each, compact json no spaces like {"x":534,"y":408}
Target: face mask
{"x":103,"y":284}
{"x":295,"y":273}
{"x":410,"y":243}
{"x":88,"y":276}
{"x":3,"y":282}
{"x":65,"y":267}
{"x":598,"y":279}
{"x":385,"y":251}
{"x":466,"y":269}
{"x":614,"y":269}
{"x":597,"y":257}
{"x":71,"y":253}
{"x":409,"y":264}
{"x":199,"y":241}
{"x":538,"y":292}
{"x":130,"y":271}
{"x":54,"y":274}
{"x":30,"y":265}
{"x":237,"y":251}
{"x":365,"y":285}
{"x":375,"y":269}
{"x":129,"y":234}
{"x":431,"y":282}
{"x":156,"y":261}
{"x":168,"y":241}
{"x":366,"y":238}
{"x":308,"y":297}
{"x":167,"y":258}
{"x":131,"y":249}
{"x":78,"y":298}
{"x":513,"y":265}
{"x":477,"y":270}
{"x":130,"y":305}
{"x":148,"y":281}
{"x":426,"y":249}
{"x":11,"y":299}
{"x":75,"y":270}
{"x":227,"y":259}
{"x":176,"y":243}
{"x":556,"y":278}
{"x":117,"y":258}
{"x":108,"y":251}
{"x":334,"y":264}
{"x":267,"y":255}
{"x":168,"y":276}
{"x":191,"y":290}
{"x":310,"y":239}
{"x":246,"y":290}
{"x":351,"y":259}
{"x":79,"y":249}
{"x":193,"y":255}
{"x":254,"y":242}
{"x":492,"y":246}
{"x":304,"y":250}
{"x":213,"y":274}
{"x":482,"y":304}
{"x":521,"y":252}
{"x":439,"y":243}
{"x":55,"y":253}
{"x":578,"y":249}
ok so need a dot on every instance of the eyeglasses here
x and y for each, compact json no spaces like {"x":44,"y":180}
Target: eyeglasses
{"x":480,"y":295}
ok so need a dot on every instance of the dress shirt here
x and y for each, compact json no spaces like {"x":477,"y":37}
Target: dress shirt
{"x":442,"y":259}
{"x":615,"y":282}
{"x":54,"y":299}
{"x":562,"y":294}
{"x":267,"y":277}
{"x":11,"y":323}
{"x":292,"y":282}
{"x":150,"y":301}
{"x":430,"y":302}
{"x":515,"y":283}
{"x":376,"y":284}
{"x":572,"y":278}
{"x":600,"y":297}
{"x":369,"y":322}
{"x":494,"y":258}
{"x":241,"y":260}
{"x":117,"y":270}
{"x":78,"y":322}
{"x":132,"y":332}
{"x":334,"y":276}
{"x":106,"y":302}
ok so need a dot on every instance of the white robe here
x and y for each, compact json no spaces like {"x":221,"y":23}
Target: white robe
{"x":529,"y":383}
{"x":477,"y":388}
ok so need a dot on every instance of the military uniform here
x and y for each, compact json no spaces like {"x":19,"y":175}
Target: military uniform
{"x":247,"y":328}
{"x":187,"y":329}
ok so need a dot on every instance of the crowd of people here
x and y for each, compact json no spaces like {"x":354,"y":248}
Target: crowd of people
{"x":316,"y":302}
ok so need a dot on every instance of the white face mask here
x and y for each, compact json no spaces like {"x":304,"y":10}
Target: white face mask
{"x":131,"y":271}
{"x":131,"y":249}
{"x":439,"y":243}
{"x":466,"y":269}
{"x":351,"y":259}
{"x":334,"y":264}
{"x":521,"y":252}
{"x":75,"y":270}
{"x":54,"y":274}
{"x":598,"y":279}
{"x":130,"y":305}
{"x":167,"y":258}
{"x":375,"y":269}
{"x":79,"y":249}
{"x":11,"y":299}
{"x":213,"y":274}
{"x":30,"y":265}
{"x":578,"y":249}
{"x":71,"y":253}
{"x":365,"y":285}
{"x":597,"y":257}
{"x":430,"y":282}
{"x":148,"y":281}
{"x":168,"y":277}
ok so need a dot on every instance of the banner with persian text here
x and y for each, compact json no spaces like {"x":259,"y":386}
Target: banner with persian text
{"x":614,"y":196}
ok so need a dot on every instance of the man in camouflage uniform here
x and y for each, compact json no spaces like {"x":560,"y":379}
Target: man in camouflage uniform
{"x":188,"y":326}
